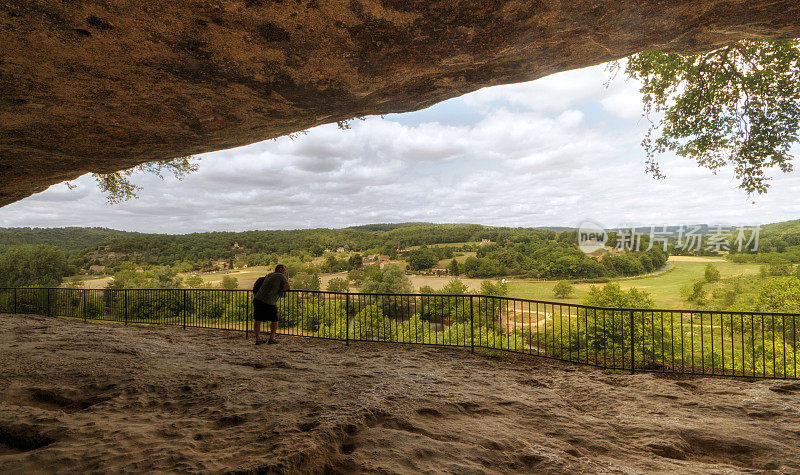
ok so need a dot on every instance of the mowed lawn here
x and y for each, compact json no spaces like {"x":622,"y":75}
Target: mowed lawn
{"x":460,"y":259}
{"x":665,"y":288}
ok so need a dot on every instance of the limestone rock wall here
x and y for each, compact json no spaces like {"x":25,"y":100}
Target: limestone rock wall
{"x":91,"y":85}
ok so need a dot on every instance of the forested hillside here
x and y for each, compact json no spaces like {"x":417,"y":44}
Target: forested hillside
{"x":778,"y":242}
{"x":166,"y":249}
{"x":69,"y":240}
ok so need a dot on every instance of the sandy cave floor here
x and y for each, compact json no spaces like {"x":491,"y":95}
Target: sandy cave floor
{"x":78,"y":397}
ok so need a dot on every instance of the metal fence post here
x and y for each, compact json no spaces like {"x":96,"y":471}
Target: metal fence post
{"x":49,"y":304}
{"x":83,"y":292}
{"x":247,"y":323}
{"x":471,"y":324}
{"x":633,"y":345}
{"x":347,"y":319}
{"x":184,"y":311}
{"x":125,"y":304}
{"x":15,"y":300}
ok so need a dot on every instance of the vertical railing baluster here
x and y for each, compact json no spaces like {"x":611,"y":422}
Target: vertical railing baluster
{"x":633,"y":342}
{"x":185,"y":309}
{"x":472,"y":324}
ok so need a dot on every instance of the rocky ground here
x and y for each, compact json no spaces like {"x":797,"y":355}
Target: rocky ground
{"x":78,"y":397}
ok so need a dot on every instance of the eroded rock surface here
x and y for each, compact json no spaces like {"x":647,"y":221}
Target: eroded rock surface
{"x":101,"y":86}
{"x":100,"y":398}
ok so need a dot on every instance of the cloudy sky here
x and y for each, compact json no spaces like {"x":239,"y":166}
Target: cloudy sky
{"x":546,"y":153}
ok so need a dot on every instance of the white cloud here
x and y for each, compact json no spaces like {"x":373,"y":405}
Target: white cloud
{"x":550,"y":94}
{"x":625,"y":104}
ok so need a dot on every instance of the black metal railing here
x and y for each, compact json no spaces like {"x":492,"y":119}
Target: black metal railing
{"x":741,"y":344}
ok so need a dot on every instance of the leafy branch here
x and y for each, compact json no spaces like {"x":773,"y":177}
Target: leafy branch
{"x":738,"y":106}
{"x":118,"y":186}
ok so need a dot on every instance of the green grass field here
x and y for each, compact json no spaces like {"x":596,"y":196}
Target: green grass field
{"x":664,"y":288}
{"x":460,"y":259}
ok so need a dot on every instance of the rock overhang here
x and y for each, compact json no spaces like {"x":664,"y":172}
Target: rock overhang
{"x":92,"y":86}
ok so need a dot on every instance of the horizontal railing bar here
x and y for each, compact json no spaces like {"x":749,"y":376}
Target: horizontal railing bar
{"x":387,"y":294}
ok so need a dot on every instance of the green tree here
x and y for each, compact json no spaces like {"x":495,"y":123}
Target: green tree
{"x":355,"y":261}
{"x":293,"y":266}
{"x":562,"y":289}
{"x":165,"y":277}
{"x":193,"y":281}
{"x":694,"y":293}
{"x":129,"y":279}
{"x":229,"y":282}
{"x":306,"y":282}
{"x":780,"y":268}
{"x":332,"y":264}
{"x":455,"y":286}
{"x":737,"y":105}
{"x":390,"y":280}
{"x":422,"y":258}
{"x":338,"y":284}
{"x":162,"y":277}
{"x":779,"y":295}
{"x":611,"y":295}
{"x":712,"y":273}
{"x":454,"y":269}
{"x":497,"y":289}
{"x":356,"y":276}
{"x":27,"y":265}
{"x":183,"y":267}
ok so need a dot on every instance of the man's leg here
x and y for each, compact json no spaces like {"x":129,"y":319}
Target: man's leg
{"x":256,"y":329}
{"x":273,"y":329}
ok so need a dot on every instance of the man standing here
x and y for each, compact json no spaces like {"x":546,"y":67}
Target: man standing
{"x":265,"y":303}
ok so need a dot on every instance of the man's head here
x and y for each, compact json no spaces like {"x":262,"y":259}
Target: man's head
{"x":280,"y":268}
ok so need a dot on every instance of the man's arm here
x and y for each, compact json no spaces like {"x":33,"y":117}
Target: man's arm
{"x":285,"y":284}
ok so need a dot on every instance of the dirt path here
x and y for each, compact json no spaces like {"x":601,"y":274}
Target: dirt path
{"x":78,"y":397}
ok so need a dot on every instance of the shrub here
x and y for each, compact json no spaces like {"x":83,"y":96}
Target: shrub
{"x":229,"y":282}
{"x":306,"y":282}
{"x":779,"y":295}
{"x":562,"y":289}
{"x":338,"y":284}
{"x":612,"y":295}
{"x":694,"y":293}
{"x":712,"y":273}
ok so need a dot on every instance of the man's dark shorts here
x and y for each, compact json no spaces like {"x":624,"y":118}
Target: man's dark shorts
{"x":264,"y":312}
